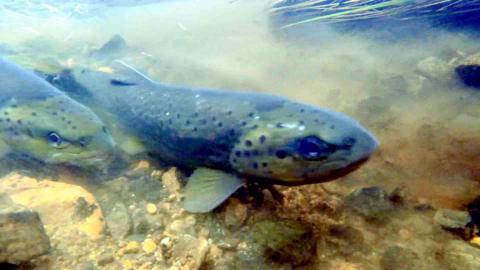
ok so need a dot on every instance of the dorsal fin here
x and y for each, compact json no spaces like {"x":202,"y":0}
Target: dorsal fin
{"x":132,"y":75}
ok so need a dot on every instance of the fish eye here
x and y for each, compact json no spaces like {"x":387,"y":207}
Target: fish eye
{"x":54,"y":139}
{"x":314,"y":149}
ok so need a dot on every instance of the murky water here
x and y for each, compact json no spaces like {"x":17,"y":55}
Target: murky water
{"x":402,"y":87}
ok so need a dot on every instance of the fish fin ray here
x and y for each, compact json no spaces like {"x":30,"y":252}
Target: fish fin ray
{"x":137,"y":76}
{"x":207,"y":188}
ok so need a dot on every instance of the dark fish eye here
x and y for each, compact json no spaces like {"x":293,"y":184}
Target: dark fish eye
{"x":54,"y":138}
{"x":314,"y":148}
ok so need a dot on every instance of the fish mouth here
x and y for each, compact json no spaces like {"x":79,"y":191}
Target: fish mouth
{"x":312,"y":178}
{"x":100,"y":160}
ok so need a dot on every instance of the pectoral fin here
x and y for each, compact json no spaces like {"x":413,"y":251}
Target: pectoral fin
{"x":206,"y":189}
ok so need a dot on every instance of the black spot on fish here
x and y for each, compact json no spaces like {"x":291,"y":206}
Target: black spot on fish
{"x":220,"y":124}
{"x":301,"y":122}
{"x":6,"y":113}
{"x":248,"y":143}
{"x":251,"y":114}
{"x":187,"y":122}
{"x":170,"y":121}
{"x":264,"y":164}
{"x":19,"y":122}
{"x":63,"y":110}
{"x":281,"y":154}
{"x":238,"y":153}
{"x":332,"y":127}
{"x":255,"y":165}
{"x":254,"y":127}
{"x":214,"y":119}
{"x":14,"y":106}
{"x":34,"y":114}
{"x":262,"y":139}
{"x":243,"y":123}
{"x":104,"y":129}
{"x":234,"y":160}
{"x":74,"y":127}
{"x":178,"y":115}
{"x":203,"y":121}
{"x":246,"y":153}
{"x":195,"y":129}
{"x":63,"y":118}
{"x":54,"y":113}
{"x":231,"y":132}
{"x":69,"y":122}
{"x":279,"y":125}
{"x":255,"y":153}
{"x":229,"y":113}
{"x":7,"y":119}
{"x":195,"y":114}
{"x":316,"y":121}
{"x":118,"y":82}
{"x":302,"y":110}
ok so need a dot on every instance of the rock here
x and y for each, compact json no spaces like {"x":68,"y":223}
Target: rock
{"x":181,"y":226}
{"x":131,"y":247}
{"x":235,"y":213}
{"x":85,"y":266}
{"x":151,"y":208}
{"x":149,"y":246}
{"x":459,"y":255}
{"x":469,"y":75}
{"x":346,"y":240}
{"x":105,"y":258}
{"x":400,"y":258}
{"x":22,"y":236}
{"x":119,"y":222}
{"x":79,"y":210}
{"x":283,"y":241}
{"x":192,"y":250}
{"x":373,"y":203}
{"x":171,"y":182}
{"x":455,"y":221}
{"x":112,"y":48}
{"x":434,"y":68}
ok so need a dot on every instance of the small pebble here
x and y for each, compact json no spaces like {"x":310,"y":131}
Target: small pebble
{"x":165,"y":241}
{"x":131,"y":247}
{"x":149,"y":246}
{"x":151,"y":208}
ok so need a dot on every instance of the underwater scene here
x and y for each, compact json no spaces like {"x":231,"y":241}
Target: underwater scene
{"x":240,"y":134}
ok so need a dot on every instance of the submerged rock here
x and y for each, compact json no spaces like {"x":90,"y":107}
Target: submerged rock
{"x":401,"y":258}
{"x":119,"y":222}
{"x":458,"y":222}
{"x":469,"y":75}
{"x":65,"y":209}
{"x":373,"y":203}
{"x":284,"y":242}
{"x":459,"y":255}
{"x":434,"y":68}
{"x":22,"y":236}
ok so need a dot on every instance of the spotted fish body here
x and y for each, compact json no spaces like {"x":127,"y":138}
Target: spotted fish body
{"x":242,"y":133}
{"x":39,"y":122}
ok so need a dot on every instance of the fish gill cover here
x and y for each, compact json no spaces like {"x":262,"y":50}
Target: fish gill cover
{"x":354,"y":13}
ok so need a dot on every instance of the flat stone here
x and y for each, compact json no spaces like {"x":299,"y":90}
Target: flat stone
{"x":400,"y":258}
{"x":118,"y":221}
{"x":457,"y":222}
{"x":80,"y":213}
{"x":373,"y":203}
{"x":459,"y":255}
{"x":22,"y":236}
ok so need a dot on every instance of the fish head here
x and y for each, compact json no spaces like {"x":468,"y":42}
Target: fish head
{"x":300,"y":144}
{"x":57,"y":130}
